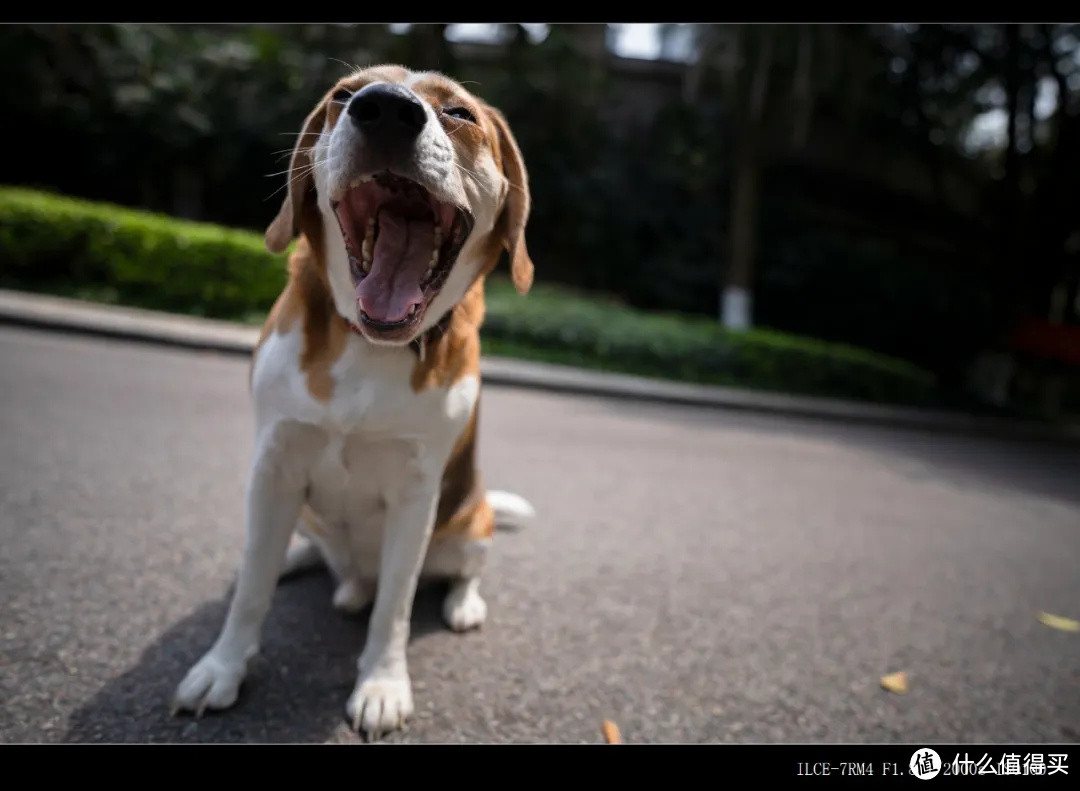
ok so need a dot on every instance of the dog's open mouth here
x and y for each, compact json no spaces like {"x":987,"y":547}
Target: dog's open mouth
{"x":402,"y":244}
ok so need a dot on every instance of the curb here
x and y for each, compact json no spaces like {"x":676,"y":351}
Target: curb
{"x":165,"y":329}
{"x":122,"y":323}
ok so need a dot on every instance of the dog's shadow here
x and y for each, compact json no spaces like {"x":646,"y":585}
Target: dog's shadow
{"x":295,"y":689}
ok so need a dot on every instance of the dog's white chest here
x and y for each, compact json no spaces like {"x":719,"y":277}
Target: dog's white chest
{"x":380,"y":434}
{"x":371,"y":392}
{"x":352,"y":482}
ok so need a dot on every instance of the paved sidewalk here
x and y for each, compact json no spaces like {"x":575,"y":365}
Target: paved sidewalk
{"x":167,"y":329}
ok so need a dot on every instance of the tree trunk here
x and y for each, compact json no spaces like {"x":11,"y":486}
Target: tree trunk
{"x":1055,"y":205}
{"x":429,"y":50}
{"x":736,"y":307}
{"x":590,"y":40}
{"x":1006,"y":271}
{"x":1012,"y":98}
{"x":736,"y":302}
{"x":447,"y":60}
{"x":695,"y":74}
{"x":802,"y":88}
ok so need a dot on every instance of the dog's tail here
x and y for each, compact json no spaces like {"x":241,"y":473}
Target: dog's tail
{"x":512,"y":511}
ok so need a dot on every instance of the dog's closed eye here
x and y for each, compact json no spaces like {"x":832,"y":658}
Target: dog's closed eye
{"x":460,"y":112}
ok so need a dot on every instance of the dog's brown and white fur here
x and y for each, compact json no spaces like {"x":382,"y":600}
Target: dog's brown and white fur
{"x":365,"y":422}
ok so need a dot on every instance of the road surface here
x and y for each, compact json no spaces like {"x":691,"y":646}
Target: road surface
{"x":694,"y":575}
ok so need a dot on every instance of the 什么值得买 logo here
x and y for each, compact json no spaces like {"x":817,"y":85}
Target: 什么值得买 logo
{"x":925,"y":763}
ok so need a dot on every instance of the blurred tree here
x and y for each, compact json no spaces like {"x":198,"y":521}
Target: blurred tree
{"x":1027,"y":77}
{"x":770,"y":79}
{"x":424,"y":48}
{"x":156,"y":114}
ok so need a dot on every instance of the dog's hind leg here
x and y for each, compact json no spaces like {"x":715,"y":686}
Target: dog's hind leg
{"x":459,"y":555}
{"x":304,"y":553}
{"x":464,"y":608}
{"x":458,"y":552}
{"x":302,"y":556}
{"x":319,"y":545}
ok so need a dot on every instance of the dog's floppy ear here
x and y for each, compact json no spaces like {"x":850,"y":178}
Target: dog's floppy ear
{"x":301,"y":185}
{"x":515,"y":212}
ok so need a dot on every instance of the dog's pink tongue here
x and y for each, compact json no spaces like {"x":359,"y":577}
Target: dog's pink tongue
{"x":399,"y":262}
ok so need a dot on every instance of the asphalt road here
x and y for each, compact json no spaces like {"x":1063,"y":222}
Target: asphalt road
{"x":694,"y":575}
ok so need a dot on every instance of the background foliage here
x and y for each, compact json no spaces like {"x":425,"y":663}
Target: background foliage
{"x":830,"y":169}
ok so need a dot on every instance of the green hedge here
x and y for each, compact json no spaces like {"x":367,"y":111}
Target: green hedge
{"x":63,"y":245}
{"x":564,"y":327}
{"x":55,"y":243}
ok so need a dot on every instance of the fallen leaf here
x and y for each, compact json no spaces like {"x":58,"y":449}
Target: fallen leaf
{"x":611,"y":732}
{"x":1057,"y":622}
{"x":895,"y":682}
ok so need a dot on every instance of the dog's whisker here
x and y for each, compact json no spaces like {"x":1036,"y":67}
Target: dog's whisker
{"x":302,"y":149}
{"x":280,"y":155}
{"x":291,"y":181}
{"x":464,"y":169}
{"x":303,"y":170}
{"x":275,"y":192}
{"x":346,"y":64}
{"x":456,"y":129}
{"x":279,"y":173}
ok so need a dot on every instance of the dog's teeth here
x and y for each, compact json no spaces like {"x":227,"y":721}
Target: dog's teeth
{"x":367,"y":249}
{"x":435,"y":247}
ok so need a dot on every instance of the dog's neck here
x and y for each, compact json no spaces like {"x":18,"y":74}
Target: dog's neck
{"x":420,"y":343}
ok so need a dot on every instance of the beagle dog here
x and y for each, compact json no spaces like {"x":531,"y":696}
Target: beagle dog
{"x":404,"y":190}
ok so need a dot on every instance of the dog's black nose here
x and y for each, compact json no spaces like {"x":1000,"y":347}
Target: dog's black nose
{"x":387,"y":113}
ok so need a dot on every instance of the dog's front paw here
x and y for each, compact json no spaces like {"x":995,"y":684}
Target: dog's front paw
{"x":380,"y":704}
{"x":210,"y":684}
